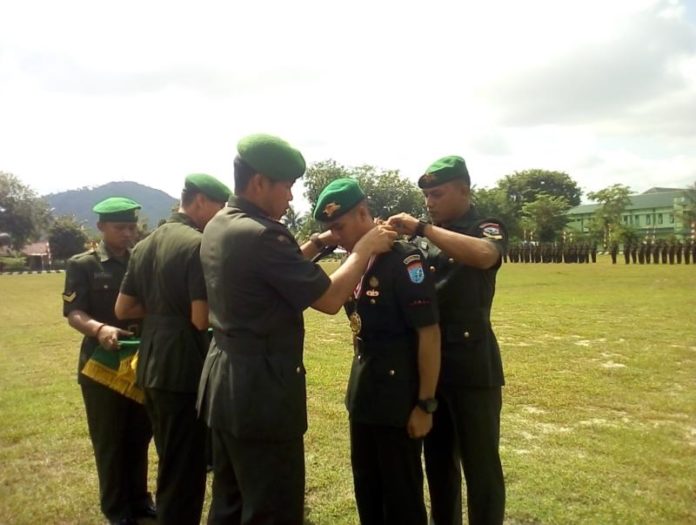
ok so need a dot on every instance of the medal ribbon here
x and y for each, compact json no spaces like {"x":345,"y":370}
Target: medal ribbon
{"x":358,"y":287}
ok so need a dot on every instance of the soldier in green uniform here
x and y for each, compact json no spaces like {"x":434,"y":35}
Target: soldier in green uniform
{"x":614,"y":251}
{"x":687,"y":251}
{"x":118,"y":426}
{"x":464,"y":251}
{"x":391,"y":391}
{"x":259,"y":281}
{"x":641,"y":253}
{"x":165,"y":285}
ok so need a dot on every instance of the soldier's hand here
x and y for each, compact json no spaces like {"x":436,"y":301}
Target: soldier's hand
{"x":108,"y":336}
{"x":403,"y":223}
{"x":419,"y":423}
{"x":328,"y":238}
{"x":378,"y":240}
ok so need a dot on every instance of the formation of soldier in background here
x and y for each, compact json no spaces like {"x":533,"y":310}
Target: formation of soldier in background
{"x":551,"y":252}
{"x":664,"y":251}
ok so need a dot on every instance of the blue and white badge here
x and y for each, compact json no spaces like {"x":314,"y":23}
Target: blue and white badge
{"x":415,"y":272}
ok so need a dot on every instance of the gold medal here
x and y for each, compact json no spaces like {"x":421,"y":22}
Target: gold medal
{"x":355,"y":323}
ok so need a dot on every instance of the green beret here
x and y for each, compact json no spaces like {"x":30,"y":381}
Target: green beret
{"x":338,"y":198}
{"x":444,"y":170}
{"x":208,"y":186}
{"x":271,"y":156}
{"x":117,"y":209}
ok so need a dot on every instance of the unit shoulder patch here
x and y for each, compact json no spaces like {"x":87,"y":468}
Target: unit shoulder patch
{"x":69,"y":297}
{"x":415,"y":271}
{"x":492,"y":230}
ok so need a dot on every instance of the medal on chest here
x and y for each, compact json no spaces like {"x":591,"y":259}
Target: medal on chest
{"x":355,"y":323}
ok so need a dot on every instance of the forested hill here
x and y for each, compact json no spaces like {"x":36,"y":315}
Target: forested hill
{"x":156,"y":203}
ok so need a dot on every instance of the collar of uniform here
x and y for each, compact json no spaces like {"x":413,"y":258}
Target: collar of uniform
{"x":103,"y":252}
{"x":183,"y":219}
{"x":471,"y":215}
{"x":246,"y":206}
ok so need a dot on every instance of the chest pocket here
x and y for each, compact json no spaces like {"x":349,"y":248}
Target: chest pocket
{"x":104,"y":283}
{"x":470,"y":330}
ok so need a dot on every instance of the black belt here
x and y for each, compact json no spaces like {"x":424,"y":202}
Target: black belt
{"x":386,"y":345}
{"x":249,"y":343}
{"x":168,"y":321}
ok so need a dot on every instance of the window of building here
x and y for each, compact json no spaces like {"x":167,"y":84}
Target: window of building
{"x":625,"y":219}
{"x":659,"y":218}
{"x":647,"y":219}
{"x":671,"y":218}
{"x":636,"y":220}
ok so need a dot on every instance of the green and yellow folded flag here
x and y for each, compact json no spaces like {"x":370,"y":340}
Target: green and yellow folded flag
{"x":115,"y":369}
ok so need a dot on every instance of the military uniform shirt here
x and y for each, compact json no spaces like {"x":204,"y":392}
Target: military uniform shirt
{"x":92,"y":281}
{"x":259,"y":283}
{"x":470,"y":352}
{"x":165,"y":271}
{"x":165,"y":275}
{"x":395,"y":298}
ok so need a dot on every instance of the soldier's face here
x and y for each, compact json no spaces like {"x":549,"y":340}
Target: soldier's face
{"x":447,"y":201}
{"x":349,"y":228}
{"x":276,"y":198}
{"x":118,"y":235}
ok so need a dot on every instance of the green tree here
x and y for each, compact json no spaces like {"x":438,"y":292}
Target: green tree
{"x":23,"y":214}
{"x":388,"y":193}
{"x":318,"y":175}
{"x":492,"y":202}
{"x":612,"y":202}
{"x":293,"y":221}
{"x":513,"y":191}
{"x":525,"y":186}
{"x":66,"y":237}
{"x":688,"y":209}
{"x":546,"y":216}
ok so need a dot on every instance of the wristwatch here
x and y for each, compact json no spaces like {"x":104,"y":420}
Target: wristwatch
{"x":316,"y":241}
{"x":427,"y":405}
{"x":420,"y":229}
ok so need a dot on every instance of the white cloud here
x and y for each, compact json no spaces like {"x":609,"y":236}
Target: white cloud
{"x":150,"y":91}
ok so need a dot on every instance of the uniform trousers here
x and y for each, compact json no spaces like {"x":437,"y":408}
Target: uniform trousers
{"x":120,"y":432}
{"x":180,"y":440}
{"x":387,"y":475}
{"x":257,"y":482}
{"x":466,"y":432}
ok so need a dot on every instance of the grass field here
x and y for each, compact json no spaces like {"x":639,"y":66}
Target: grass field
{"x":599,"y":416}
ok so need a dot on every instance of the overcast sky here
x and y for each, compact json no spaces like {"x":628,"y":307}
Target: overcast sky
{"x":604,"y":90}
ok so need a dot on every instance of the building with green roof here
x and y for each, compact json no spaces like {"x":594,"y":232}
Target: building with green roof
{"x":656,"y":212}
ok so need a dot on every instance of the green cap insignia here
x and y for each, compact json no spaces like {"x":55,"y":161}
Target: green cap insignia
{"x":338,"y":198}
